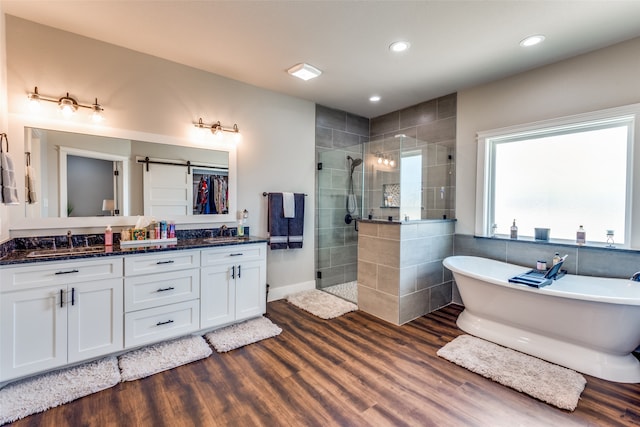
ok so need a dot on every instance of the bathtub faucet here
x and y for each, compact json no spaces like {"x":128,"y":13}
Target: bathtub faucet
{"x":635,"y":277}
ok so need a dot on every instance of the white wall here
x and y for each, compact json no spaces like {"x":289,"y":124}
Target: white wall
{"x":602,"y":79}
{"x":146,"y":94}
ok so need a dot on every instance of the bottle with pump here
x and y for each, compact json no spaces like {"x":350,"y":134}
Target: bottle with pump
{"x":556,"y":258}
{"x":581,"y":236}
{"x":240,"y":232}
{"x":514,"y":230}
{"x":108,"y":236}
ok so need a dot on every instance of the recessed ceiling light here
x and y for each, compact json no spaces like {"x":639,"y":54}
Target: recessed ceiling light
{"x":532,"y":40}
{"x":304,"y":71}
{"x":399,"y":46}
{"x":374,"y":98}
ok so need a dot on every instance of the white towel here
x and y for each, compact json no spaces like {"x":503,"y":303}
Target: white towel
{"x":9,"y":188}
{"x":288,"y":205}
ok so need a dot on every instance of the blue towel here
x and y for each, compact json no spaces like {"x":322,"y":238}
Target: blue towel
{"x":278,"y":225}
{"x":296,"y":224}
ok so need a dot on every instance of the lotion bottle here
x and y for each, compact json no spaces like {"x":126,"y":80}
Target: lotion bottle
{"x":581,"y":236}
{"x":108,"y":236}
{"x":514,"y":230}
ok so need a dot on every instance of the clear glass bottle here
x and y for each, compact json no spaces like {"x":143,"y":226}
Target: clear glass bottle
{"x":514,"y":230}
{"x":581,"y":236}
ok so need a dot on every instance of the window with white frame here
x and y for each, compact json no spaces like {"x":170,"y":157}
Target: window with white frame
{"x":559,"y":174}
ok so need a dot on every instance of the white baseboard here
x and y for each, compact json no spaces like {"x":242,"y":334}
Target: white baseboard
{"x":284,"y":291}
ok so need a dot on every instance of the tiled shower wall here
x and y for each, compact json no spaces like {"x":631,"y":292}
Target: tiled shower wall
{"x":338,"y":134}
{"x":430,"y":127}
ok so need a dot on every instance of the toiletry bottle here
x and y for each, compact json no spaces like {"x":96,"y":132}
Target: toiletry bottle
{"x":371,"y":214}
{"x":108,"y":236}
{"x":581,"y":236}
{"x":514,"y":230}
{"x":556,"y":258}
{"x":240,"y":228}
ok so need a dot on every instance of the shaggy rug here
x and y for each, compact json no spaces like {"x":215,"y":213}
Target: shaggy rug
{"x":545,"y":381}
{"x":321,"y":304}
{"x":162,"y":356}
{"x":40,"y":393}
{"x":241,"y":334}
{"x":348,"y":291}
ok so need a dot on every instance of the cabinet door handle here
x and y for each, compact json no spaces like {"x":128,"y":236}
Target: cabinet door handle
{"x":164,"y":323}
{"x":61,"y":298}
{"x":170,"y":288}
{"x":67,"y":272}
{"x":165,"y":262}
{"x":73,"y":296}
{"x":239,"y":271}
{"x":237,"y":254}
{"x":233,"y":272}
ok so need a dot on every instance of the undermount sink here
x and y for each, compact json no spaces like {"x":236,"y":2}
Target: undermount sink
{"x":47,"y":253}
{"x":226,"y":239}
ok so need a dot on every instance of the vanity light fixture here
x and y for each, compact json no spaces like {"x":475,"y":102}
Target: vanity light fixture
{"x":67,"y":104}
{"x":217,"y":129}
{"x":304,"y":71}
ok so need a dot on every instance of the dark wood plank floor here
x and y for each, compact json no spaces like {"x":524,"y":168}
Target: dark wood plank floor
{"x":355,"y":370}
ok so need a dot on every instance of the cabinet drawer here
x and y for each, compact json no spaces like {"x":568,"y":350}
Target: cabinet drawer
{"x":161,"y":262}
{"x":238,"y":253}
{"x":59,"y":273}
{"x":154,"y":290}
{"x":160,"y":323}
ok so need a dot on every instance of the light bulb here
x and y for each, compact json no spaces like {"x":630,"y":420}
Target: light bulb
{"x":34,"y":101}
{"x":386,"y":162}
{"x":67,"y":106}
{"x":379,"y":160}
{"x":97,"y":110}
{"x":392,"y":163}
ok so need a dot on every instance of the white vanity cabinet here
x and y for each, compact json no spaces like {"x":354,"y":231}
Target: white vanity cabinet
{"x":232,"y":284}
{"x":55,"y":313}
{"x":162,"y":296}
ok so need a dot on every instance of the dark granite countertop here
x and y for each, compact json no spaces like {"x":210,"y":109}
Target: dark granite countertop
{"x":19,"y":256}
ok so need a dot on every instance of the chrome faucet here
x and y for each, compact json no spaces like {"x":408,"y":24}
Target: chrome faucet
{"x":222,"y":230}
{"x":70,"y":239}
{"x":635,"y":277}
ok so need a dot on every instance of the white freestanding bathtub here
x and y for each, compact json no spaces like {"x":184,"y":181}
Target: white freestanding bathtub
{"x":589,"y":324}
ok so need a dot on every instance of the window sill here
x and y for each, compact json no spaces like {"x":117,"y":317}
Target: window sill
{"x":563,"y":243}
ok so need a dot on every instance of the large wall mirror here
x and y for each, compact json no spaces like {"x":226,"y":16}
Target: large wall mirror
{"x":78,"y":178}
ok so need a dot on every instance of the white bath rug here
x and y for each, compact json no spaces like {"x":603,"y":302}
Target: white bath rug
{"x":545,"y":381}
{"x":40,"y":393}
{"x":241,"y":334}
{"x":348,"y":291}
{"x":321,"y":304}
{"x":162,"y":356}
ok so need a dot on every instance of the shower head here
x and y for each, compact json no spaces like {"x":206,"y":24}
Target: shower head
{"x":354,"y":162}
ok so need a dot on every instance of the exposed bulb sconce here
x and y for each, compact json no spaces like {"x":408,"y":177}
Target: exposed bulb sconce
{"x":217,"y":129}
{"x":67,"y":105}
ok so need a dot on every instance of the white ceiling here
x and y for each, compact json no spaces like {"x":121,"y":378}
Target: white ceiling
{"x":454,"y":44}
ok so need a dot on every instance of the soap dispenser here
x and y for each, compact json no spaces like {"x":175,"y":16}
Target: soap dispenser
{"x":108,"y":236}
